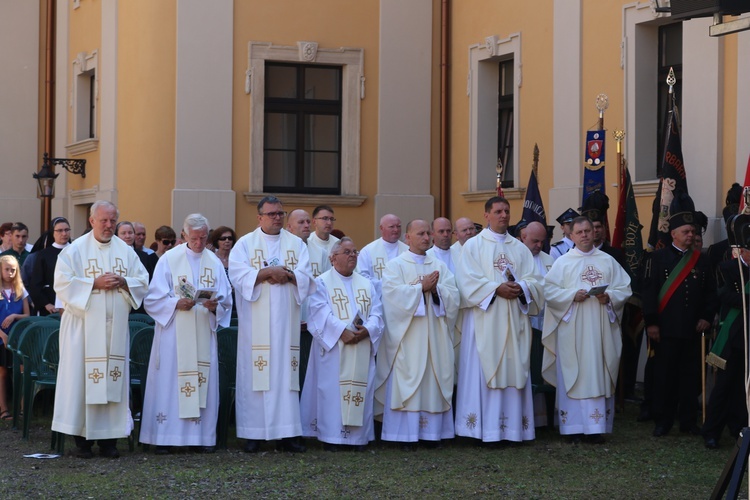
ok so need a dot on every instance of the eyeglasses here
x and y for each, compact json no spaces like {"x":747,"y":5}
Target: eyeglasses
{"x":274,"y":215}
{"x":225,"y":238}
{"x":66,"y":230}
{"x":140,"y":234}
{"x":326,"y":219}
{"x":348,"y":253}
{"x":168,"y":243}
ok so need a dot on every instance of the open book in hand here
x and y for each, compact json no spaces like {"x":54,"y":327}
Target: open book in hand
{"x":204,"y":294}
{"x":597,"y":290}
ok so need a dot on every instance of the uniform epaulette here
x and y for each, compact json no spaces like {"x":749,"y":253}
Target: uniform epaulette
{"x":558,"y":243}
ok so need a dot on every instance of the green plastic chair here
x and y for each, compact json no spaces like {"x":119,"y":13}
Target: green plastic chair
{"x":227,"y":347}
{"x":143,"y":318}
{"x":30,"y":348}
{"x":140,"y":354}
{"x":234,"y":321}
{"x":14,"y":337}
{"x":51,"y":360}
{"x":538,"y":385}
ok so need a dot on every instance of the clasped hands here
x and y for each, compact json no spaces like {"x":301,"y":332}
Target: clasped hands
{"x":350,"y":337}
{"x":277,"y":275}
{"x":187,"y":304}
{"x":110,"y":281}
{"x":509,"y":290}
{"x":582,"y":295}
{"x":430,"y":282}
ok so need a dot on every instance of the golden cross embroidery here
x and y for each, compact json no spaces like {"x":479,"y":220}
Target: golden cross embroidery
{"x":596,"y":416}
{"x":115,"y":374}
{"x":188,"y":389}
{"x":260,"y":363}
{"x":348,"y":396}
{"x":257,"y":261}
{"x":207,"y":279}
{"x":363,"y":301}
{"x":120,"y":267}
{"x":295,"y":363}
{"x":160,"y":417}
{"x":93,"y":271}
{"x":315,"y":270}
{"x":341,"y":301}
{"x":592,"y":275}
{"x":291,"y":260}
{"x":423,"y":422}
{"x":501,"y":263}
{"x":418,"y":279}
{"x":358,"y":399}
{"x":201,"y":379}
{"x":378,"y":267}
{"x":96,"y":375}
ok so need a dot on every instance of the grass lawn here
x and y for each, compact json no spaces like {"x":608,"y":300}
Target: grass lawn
{"x":632,"y":464}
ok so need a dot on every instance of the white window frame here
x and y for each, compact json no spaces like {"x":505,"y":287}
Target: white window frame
{"x":482,"y":90}
{"x":351,"y":61}
{"x":84,"y":66}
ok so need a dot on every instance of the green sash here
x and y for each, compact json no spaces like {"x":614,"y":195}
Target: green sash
{"x":714,"y":358}
{"x":676,"y":277}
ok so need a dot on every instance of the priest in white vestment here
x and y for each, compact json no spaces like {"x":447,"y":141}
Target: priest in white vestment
{"x":414,"y":381}
{"x":270,"y":271}
{"x":463,"y":229}
{"x":98,"y":280}
{"x":190,"y":294}
{"x":582,"y":335}
{"x":500,"y":287}
{"x":346,"y":322}
{"x":375,"y":255}
{"x":321,"y":240}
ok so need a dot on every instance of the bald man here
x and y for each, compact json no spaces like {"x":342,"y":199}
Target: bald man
{"x":298,"y":223}
{"x":442,"y":236}
{"x":464,"y":229}
{"x":374,"y":257}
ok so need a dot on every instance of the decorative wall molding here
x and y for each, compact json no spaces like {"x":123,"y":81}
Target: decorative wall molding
{"x":482,"y":196}
{"x":81,"y":147}
{"x":308,"y":199}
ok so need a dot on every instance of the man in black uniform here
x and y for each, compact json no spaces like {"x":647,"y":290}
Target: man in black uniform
{"x":679,"y":301}
{"x":727,"y":403}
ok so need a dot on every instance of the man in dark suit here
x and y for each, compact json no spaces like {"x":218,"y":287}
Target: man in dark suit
{"x":679,"y":302}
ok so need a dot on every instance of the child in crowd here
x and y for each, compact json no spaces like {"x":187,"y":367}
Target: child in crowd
{"x":14,"y":304}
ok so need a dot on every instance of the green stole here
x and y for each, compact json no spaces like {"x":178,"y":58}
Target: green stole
{"x":354,"y":359}
{"x":715,"y":358}
{"x":192,"y":334}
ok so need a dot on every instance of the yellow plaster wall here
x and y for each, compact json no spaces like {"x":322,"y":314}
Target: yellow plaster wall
{"x":146,"y":111}
{"x":84,"y":35}
{"x":333,"y":24}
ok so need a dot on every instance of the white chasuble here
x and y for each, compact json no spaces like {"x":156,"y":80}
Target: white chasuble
{"x":267,"y":393}
{"x":501,"y":326}
{"x":92,"y":398}
{"x":201,"y":271}
{"x":319,"y":252}
{"x":354,"y":359}
{"x":584,"y":337}
{"x":417,"y":348}
{"x":374,"y":257}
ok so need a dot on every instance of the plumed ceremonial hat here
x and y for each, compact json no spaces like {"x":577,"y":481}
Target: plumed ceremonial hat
{"x":681,"y":219}
{"x":567,"y":216}
{"x":701,"y":220}
{"x":595,"y":206}
{"x":682,"y":211}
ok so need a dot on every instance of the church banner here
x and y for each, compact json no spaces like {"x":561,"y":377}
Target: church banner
{"x":593,"y":172}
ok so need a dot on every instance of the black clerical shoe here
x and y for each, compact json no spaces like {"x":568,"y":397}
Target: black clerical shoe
{"x":85,"y":453}
{"x":575,"y":438}
{"x":291,"y":445}
{"x":251,"y":446}
{"x":660,"y":431}
{"x":109,"y":452}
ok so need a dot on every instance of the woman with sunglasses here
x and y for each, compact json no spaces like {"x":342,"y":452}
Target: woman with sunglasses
{"x":165,"y":239}
{"x":43,"y":275}
{"x":222,"y":240}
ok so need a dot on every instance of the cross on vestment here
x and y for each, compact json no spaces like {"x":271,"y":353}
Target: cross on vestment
{"x":291,"y":260}
{"x":363,"y":300}
{"x":358,"y":399}
{"x":345,"y":433}
{"x":295,"y":363}
{"x":120,"y":267}
{"x":379,"y":267}
{"x":347,"y":397}
{"x":93,"y":271}
{"x":596,"y":416}
{"x":502,"y":420}
{"x":502,"y":263}
{"x":188,"y":389}
{"x":315,"y":270}
{"x":257,"y":261}
{"x":341,"y":301}
{"x":201,"y":379}
{"x":592,"y":275}
{"x":423,"y":422}
{"x":115,"y":374}
{"x":207,"y":279}
{"x":260,"y":363}
{"x":160,"y":418}
{"x":418,"y":279}
{"x":96,"y":375}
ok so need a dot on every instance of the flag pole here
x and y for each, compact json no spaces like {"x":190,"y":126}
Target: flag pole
{"x":499,"y":174}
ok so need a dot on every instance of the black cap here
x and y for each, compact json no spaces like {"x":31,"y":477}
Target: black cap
{"x":567,"y":216}
{"x":516,"y":230}
{"x":681,"y":219}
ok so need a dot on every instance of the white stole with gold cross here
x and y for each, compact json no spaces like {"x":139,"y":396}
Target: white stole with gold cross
{"x":105,"y":371}
{"x":354,"y":359}
{"x":261,"y":323}
{"x":193,"y":333}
